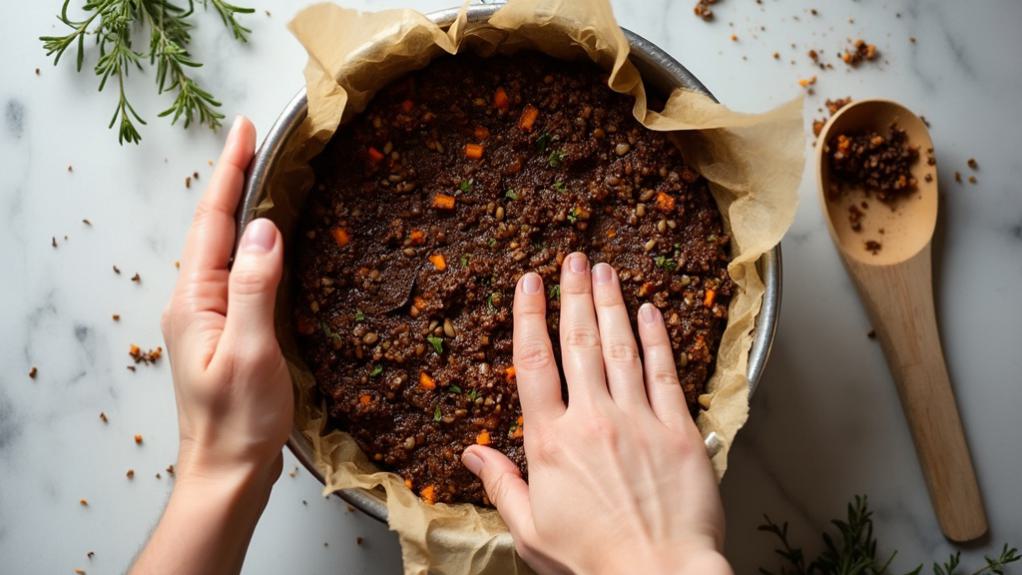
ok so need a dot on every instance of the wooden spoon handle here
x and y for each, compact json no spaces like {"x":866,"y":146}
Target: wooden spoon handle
{"x":899,"y":300}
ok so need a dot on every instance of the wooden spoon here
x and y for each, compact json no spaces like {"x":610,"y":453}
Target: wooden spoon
{"x":896,"y":285}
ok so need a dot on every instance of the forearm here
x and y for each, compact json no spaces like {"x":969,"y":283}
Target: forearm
{"x":207,"y":524}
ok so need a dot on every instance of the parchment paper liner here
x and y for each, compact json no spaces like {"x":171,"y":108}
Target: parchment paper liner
{"x":753,"y":162}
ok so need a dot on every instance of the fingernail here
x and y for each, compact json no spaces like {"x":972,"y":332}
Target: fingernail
{"x":649,"y":313}
{"x":472,"y":461}
{"x":259,"y":236}
{"x":234,"y":128}
{"x":531,"y":283}
{"x":577,"y":263}
{"x":601,"y":273}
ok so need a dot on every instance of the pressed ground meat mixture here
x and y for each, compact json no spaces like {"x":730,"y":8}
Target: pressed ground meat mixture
{"x":429,"y":206}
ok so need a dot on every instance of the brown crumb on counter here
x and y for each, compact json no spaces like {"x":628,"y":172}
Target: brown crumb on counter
{"x":293,"y":472}
{"x":170,"y":470}
{"x":90,"y":554}
{"x":195,"y":175}
{"x":147,"y":357}
{"x":188,"y":181}
{"x":734,"y":37}
{"x":70,"y":168}
{"x":103,"y":417}
{"x":268,"y":14}
{"x":177,"y":264}
{"x":131,"y":368}
{"x":116,"y":317}
{"x":32,"y":373}
{"x":912,"y":39}
{"x":117,"y":270}
{"x":972,"y":179}
{"x":873,"y":246}
{"x":86,"y":221}
{"x":53,"y":241}
{"x":136,"y":278}
{"x":79,"y":571}
{"x":130,"y":474}
{"x":859,"y":51}
{"x":359,"y":541}
{"x":806,"y":82}
{"x":973,"y":164}
{"x":777,"y":55}
{"x":138,"y":439}
{"x":158,"y":476}
{"x":872,"y":334}
{"x":703,"y":10}
{"x":83,"y":502}
{"x":37,"y":71}
{"x":813,"y":55}
{"x":958,"y":177}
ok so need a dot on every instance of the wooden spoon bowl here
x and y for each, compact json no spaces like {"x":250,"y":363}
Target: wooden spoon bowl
{"x":896,"y":286}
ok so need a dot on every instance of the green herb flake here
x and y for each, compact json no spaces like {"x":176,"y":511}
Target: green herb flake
{"x":465,"y":186}
{"x":453,"y":389}
{"x":554,"y":292}
{"x":542,"y":142}
{"x":556,"y":158}
{"x":489,"y":302}
{"x":464,"y":260}
{"x":665,"y":262}
{"x":437,"y":414}
{"x":573,"y":215}
{"x":492,"y":243}
{"x":377,"y":370}
{"x":559,"y":186}
{"x":472,"y":394}
{"x":359,"y":316}
{"x":437,"y":342}
{"x":511,"y":194}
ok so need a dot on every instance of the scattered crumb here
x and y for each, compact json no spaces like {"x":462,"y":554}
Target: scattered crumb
{"x":806,"y":82}
{"x":777,"y":55}
{"x":146,"y":357}
{"x":86,"y":221}
{"x":131,"y":368}
{"x":103,"y":417}
{"x":130,"y":474}
{"x":873,"y":246}
{"x":351,"y":509}
{"x":814,"y":12}
{"x":359,"y":541}
{"x":117,"y":270}
{"x":304,"y":502}
{"x":53,"y":241}
{"x":912,"y":39}
{"x":734,"y":37}
{"x":293,"y":472}
{"x":37,"y":71}
{"x":158,"y":476}
{"x":116,"y":317}
{"x":170,"y":470}
{"x":188,"y":181}
{"x":325,"y":544}
{"x":703,"y":10}
{"x":973,"y":165}
{"x":70,"y":168}
{"x":872,"y":334}
{"x":813,"y":55}
{"x":138,"y":439}
{"x":90,"y":554}
{"x":195,"y":175}
{"x":268,"y":14}
{"x":79,"y":571}
{"x":136,"y":278}
{"x":859,"y":51}
{"x":972,"y":179}
{"x":210,"y":162}
{"x":83,"y":502}
{"x":958,"y":177}
{"x":32,"y":373}
{"x":177,"y":264}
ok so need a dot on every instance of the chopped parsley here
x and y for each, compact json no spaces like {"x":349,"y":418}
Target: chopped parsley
{"x":559,"y":186}
{"x":359,"y":316}
{"x":472,"y":394}
{"x":377,"y":370}
{"x":573,"y":215}
{"x":542,"y":142}
{"x":453,"y":389}
{"x":489,"y":301}
{"x":437,"y":414}
{"x":465,"y":186}
{"x":437,"y":342}
{"x":555,"y":291}
{"x":665,"y":262}
{"x":555,"y":158}
{"x":492,"y":243}
{"x":511,"y":194}
{"x":464,"y":260}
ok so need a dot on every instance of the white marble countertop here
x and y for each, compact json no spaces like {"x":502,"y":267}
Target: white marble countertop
{"x":826,"y":423}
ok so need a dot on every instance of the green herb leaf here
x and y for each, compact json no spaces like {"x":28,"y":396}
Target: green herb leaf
{"x":492,"y":243}
{"x":437,"y":414}
{"x":465,"y":186}
{"x":359,"y":316}
{"x":554,"y":292}
{"x":453,"y":389}
{"x":377,"y":370}
{"x":489,"y":302}
{"x":665,"y":263}
{"x":572,"y":215}
{"x":437,"y":342}
{"x":542,"y":142}
{"x":559,"y":186}
{"x":555,"y":158}
{"x":464,"y":260}
{"x":472,"y":394}
{"x":511,"y":194}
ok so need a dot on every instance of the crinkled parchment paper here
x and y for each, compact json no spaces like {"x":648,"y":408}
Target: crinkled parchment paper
{"x":753,"y":162}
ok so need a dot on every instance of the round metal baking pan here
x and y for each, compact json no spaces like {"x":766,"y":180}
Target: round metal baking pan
{"x":660,"y":71}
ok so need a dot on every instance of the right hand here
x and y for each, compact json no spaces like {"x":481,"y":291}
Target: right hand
{"x":619,"y":479}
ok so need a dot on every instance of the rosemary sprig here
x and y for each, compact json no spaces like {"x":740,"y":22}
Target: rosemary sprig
{"x":112,"y":23}
{"x":855,"y":551}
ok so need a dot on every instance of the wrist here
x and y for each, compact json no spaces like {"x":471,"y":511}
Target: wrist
{"x":683,"y":559}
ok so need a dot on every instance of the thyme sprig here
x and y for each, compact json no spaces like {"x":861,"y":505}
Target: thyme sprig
{"x":854,"y":550}
{"x":112,"y":24}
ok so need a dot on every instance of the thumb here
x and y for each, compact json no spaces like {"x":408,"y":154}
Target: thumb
{"x":505,"y":487}
{"x":252,"y":286}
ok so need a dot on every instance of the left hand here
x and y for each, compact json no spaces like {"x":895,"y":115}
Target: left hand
{"x":233,"y":390}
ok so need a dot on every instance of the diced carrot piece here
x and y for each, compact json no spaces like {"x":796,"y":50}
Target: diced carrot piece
{"x":521,"y":420}
{"x":341,"y":236}
{"x":374,"y":154}
{"x":664,"y":202}
{"x":407,"y":105}
{"x":481,"y":132}
{"x":426,"y":381}
{"x":419,"y":301}
{"x":438,"y":262}
{"x":611,"y":233}
{"x":408,"y":483}
{"x":483,"y":438}
{"x":473,"y":151}
{"x":710,"y":296}
{"x":417,"y":237}
{"x":365,"y":399}
{"x":443,"y":202}
{"x":509,"y":372}
{"x":500,"y":99}
{"x":519,"y":432}
{"x":428,"y":494}
{"x":134,"y":350}
{"x":528,"y":118}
